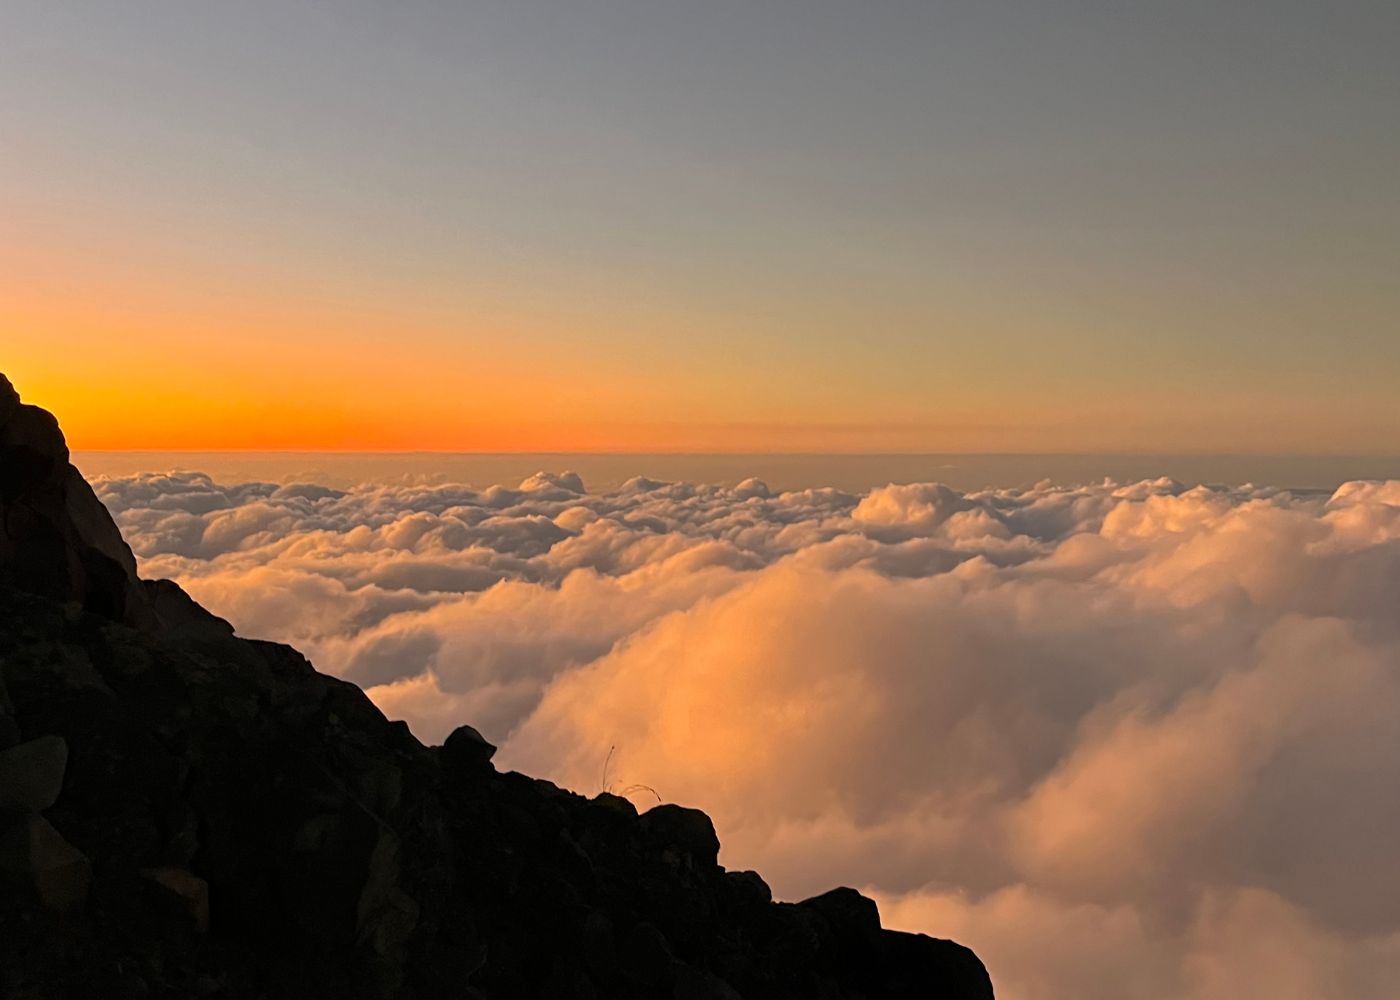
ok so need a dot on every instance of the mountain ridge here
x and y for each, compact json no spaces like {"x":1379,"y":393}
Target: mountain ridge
{"x":184,"y":812}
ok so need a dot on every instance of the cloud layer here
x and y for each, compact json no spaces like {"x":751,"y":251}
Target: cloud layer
{"x":1132,"y":741}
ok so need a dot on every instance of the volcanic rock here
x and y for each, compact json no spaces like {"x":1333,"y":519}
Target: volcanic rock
{"x":189,"y":892}
{"x":466,"y":748}
{"x":36,"y":861}
{"x":31,"y":774}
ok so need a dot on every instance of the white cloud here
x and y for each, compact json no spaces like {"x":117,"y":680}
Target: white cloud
{"x":1124,"y":740}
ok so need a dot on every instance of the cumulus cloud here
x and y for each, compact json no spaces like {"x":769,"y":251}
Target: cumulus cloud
{"x":1126,"y":741}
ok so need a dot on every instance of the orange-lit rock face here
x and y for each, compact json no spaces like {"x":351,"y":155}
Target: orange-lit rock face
{"x":1130,"y":734}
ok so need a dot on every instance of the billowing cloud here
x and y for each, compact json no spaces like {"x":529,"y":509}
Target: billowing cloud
{"x":1127,"y":741}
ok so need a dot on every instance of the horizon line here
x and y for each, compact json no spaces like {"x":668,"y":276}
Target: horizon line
{"x":1092,"y":452}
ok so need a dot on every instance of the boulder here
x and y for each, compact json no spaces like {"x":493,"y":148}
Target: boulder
{"x":616,"y":804}
{"x":912,"y":961}
{"x":685,"y":832}
{"x":180,"y":616}
{"x":31,"y":774}
{"x":598,"y":945}
{"x":850,"y":914}
{"x":747,"y":889}
{"x":35,"y":857}
{"x":189,"y":893}
{"x":646,"y":956}
{"x":465,"y":748}
{"x":697,"y":984}
{"x":854,"y":923}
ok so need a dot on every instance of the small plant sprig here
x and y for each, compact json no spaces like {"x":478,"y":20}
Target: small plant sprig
{"x":627,"y":790}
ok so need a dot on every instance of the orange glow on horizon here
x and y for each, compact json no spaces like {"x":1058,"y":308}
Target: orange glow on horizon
{"x":198,"y":366}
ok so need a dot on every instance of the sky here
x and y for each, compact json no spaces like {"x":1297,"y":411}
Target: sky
{"x":651,"y":226}
{"x":1133,"y":739}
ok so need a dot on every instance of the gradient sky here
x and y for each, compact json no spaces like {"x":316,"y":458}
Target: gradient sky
{"x":707,"y":226}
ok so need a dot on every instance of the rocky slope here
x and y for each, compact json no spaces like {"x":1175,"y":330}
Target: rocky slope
{"x":187,"y":813}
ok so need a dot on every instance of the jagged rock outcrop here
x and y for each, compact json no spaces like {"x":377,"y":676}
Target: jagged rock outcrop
{"x":187,"y":813}
{"x":56,"y":538}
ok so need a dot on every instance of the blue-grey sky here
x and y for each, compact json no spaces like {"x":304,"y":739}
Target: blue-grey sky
{"x":908,"y":226}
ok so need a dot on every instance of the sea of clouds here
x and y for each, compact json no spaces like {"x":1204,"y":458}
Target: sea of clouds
{"x":1127,"y":741}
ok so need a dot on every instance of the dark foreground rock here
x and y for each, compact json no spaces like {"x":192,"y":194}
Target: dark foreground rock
{"x":184,"y":813}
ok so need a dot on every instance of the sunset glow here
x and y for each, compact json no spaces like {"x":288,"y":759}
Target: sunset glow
{"x":549,"y":490}
{"x":316,"y":247}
